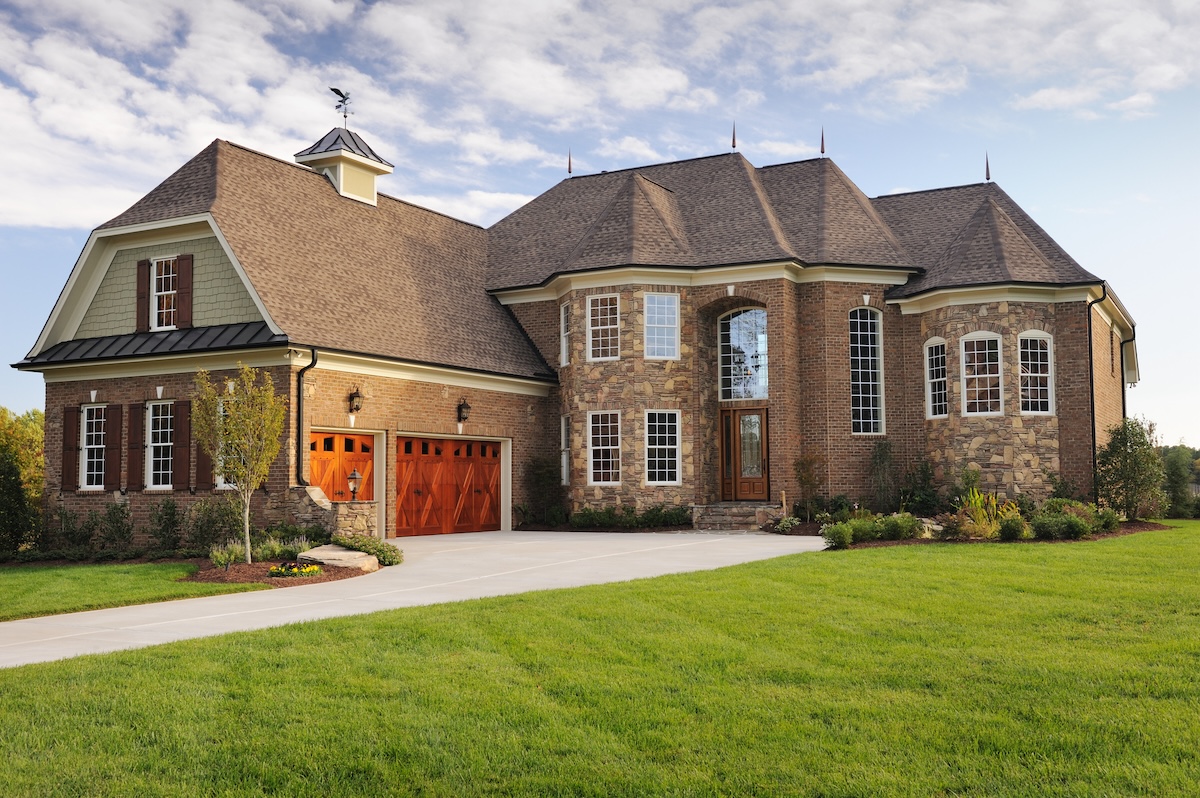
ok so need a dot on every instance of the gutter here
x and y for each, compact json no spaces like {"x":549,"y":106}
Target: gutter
{"x":1092,"y":382}
{"x":300,"y":480}
{"x":1124,"y":389}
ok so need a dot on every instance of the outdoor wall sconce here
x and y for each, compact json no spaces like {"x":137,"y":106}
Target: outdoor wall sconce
{"x":355,"y":480}
{"x":464,"y":410}
{"x":356,"y":401}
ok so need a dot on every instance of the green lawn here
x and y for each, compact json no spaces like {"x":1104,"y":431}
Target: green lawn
{"x":993,"y":670}
{"x":30,"y":591}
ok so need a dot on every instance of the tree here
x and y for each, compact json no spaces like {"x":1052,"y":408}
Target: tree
{"x":15,"y":517}
{"x":1129,"y":472}
{"x":25,"y":434}
{"x":239,"y":427}
{"x":1177,"y":467}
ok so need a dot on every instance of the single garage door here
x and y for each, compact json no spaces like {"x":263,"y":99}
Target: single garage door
{"x":332,"y":456}
{"x":447,"y":486}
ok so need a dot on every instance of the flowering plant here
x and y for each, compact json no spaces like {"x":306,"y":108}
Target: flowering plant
{"x":294,"y":569}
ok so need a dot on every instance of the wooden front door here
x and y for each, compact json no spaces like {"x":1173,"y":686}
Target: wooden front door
{"x":446,"y":486}
{"x":743,"y":450}
{"x":332,"y":456}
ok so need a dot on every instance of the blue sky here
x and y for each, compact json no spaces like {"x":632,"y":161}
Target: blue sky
{"x":1089,"y":112}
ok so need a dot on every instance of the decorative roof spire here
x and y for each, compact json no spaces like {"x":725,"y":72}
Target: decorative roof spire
{"x":568,"y":160}
{"x":987,"y":168}
{"x":822,"y":141}
{"x":733,"y":144}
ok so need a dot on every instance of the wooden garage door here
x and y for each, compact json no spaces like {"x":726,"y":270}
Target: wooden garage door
{"x":331,"y":458}
{"x":446,"y":486}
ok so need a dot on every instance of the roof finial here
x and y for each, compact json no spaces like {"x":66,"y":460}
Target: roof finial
{"x":343,"y":105}
{"x":822,"y":141}
{"x":568,"y":160}
{"x":733,"y":144}
{"x":987,"y":168}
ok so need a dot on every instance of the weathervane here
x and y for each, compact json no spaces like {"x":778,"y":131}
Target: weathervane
{"x":343,"y":105}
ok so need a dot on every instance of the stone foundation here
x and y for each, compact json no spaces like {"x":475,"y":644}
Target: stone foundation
{"x":355,"y":518}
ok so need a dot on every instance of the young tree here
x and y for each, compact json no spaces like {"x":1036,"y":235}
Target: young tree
{"x":1177,"y":466}
{"x":15,"y":516}
{"x":238,"y":423}
{"x":24,"y":433}
{"x":1129,"y":472}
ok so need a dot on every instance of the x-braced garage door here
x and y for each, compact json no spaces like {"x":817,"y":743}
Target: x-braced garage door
{"x":446,"y":486}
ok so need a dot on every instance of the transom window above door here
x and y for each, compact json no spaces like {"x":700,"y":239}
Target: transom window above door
{"x":743,"y":353}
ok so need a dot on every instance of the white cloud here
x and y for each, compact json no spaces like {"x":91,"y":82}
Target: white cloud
{"x":781,"y":149}
{"x":480,"y":207}
{"x":1054,"y":98}
{"x":628,"y":149}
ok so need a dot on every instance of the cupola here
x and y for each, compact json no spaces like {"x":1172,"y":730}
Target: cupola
{"x":349,"y":163}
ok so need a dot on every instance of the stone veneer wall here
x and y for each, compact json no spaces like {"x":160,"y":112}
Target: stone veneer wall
{"x":356,"y":518}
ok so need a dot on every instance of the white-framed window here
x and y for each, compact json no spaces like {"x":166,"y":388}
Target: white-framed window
{"x":1036,"y":351}
{"x":866,"y":372}
{"x":164,"y":283}
{"x":662,"y":447}
{"x":93,"y":432}
{"x":983,"y":394}
{"x":743,"y":353}
{"x":604,"y":327}
{"x":564,"y":334}
{"x":937,"y":395}
{"x":160,"y":444}
{"x":564,"y":449}
{"x":662,"y":326}
{"x":604,"y":448}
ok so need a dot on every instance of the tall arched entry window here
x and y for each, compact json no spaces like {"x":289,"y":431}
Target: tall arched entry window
{"x":742,"y":341}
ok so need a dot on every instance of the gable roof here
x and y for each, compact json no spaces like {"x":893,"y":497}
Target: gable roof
{"x":974,"y":235}
{"x":394,"y":280}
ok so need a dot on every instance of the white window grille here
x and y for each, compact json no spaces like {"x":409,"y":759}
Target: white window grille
{"x":604,"y":328}
{"x":662,"y":447}
{"x":564,"y":334}
{"x":866,"y":372}
{"x":604,"y":448}
{"x":743,"y":354}
{"x":564,"y":449}
{"x":982,"y":394}
{"x":160,"y":437}
{"x":937,"y":397}
{"x":94,"y":433}
{"x":662,"y":326}
{"x":1037,"y":394}
{"x":164,"y":282}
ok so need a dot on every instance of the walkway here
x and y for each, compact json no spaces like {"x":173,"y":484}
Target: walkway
{"x":436,"y":569}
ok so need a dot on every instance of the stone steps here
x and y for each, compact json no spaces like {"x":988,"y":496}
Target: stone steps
{"x":735,"y":516}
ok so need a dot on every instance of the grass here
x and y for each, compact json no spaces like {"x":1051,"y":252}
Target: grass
{"x":30,"y":591}
{"x":998,"y":670}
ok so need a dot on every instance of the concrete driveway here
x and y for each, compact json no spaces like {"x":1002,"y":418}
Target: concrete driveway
{"x":436,"y":569}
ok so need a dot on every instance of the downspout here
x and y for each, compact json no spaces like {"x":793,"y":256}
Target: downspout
{"x":1092,"y":381}
{"x":1132,"y":338}
{"x":300,"y":480}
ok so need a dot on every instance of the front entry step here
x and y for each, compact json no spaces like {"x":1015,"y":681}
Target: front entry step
{"x":735,"y":516}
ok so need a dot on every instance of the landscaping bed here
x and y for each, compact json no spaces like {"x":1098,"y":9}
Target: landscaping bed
{"x":1126,"y":528}
{"x":243,"y":573}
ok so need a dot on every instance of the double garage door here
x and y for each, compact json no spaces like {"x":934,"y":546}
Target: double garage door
{"x":447,"y":486}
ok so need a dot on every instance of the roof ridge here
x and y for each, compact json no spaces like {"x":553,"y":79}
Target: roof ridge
{"x":768,"y":210}
{"x":680,"y":236}
{"x":932,"y":190}
{"x":864,"y":202}
{"x":991,"y":211}
{"x":597,"y":223}
{"x":1012,"y":225}
{"x":655,"y":165}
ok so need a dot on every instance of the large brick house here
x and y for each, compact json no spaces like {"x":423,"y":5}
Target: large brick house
{"x":679,"y":333}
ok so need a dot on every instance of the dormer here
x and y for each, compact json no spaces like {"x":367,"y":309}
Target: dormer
{"x":349,"y":163}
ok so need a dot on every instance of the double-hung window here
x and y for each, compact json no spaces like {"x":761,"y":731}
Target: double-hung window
{"x":662,"y":326}
{"x":564,"y":449}
{"x":866,"y":372}
{"x":604,"y":327}
{"x":937,"y":401}
{"x":160,"y":438}
{"x":662,"y":447}
{"x":1037,"y":384}
{"x":164,"y":287}
{"x":564,"y":334}
{"x":604,"y":448}
{"x":92,"y":462}
{"x":981,"y":375}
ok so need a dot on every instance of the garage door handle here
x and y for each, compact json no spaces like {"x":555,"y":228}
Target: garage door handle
{"x":417,"y":492}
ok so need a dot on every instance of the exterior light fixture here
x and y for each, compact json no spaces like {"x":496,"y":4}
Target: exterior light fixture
{"x":464,"y":410}
{"x":356,"y":401}
{"x":355,"y":480}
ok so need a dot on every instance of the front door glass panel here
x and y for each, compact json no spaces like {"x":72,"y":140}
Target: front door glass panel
{"x":751,"y":435}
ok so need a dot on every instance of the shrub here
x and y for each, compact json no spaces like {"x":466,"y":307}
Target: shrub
{"x":1060,"y":487}
{"x":543,"y":483}
{"x":951,"y":526}
{"x":786,"y":524}
{"x":810,"y":478}
{"x":213,"y":522}
{"x":1012,"y":527}
{"x":1129,"y":472}
{"x":840,"y":507}
{"x":882,"y":475}
{"x":226,"y":555}
{"x":272,"y":548}
{"x":1107,"y":520}
{"x":865,"y":528}
{"x":900,"y":526}
{"x":1060,"y":526}
{"x":166,"y":524}
{"x":386,"y":553}
{"x":116,"y":526}
{"x":837,"y":536}
{"x":919,"y":495}
{"x":627,"y":517}
{"x":77,"y":532}
{"x":315,"y":534}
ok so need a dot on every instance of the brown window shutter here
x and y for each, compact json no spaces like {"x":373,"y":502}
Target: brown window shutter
{"x":70,"y":447}
{"x":112,"y":447}
{"x":204,"y":470}
{"x":143,"y":296}
{"x":183,"y":293}
{"x":137,"y":452}
{"x":181,"y":446}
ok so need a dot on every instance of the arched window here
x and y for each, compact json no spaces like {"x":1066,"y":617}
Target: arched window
{"x":743,"y":351}
{"x":866,"y":372}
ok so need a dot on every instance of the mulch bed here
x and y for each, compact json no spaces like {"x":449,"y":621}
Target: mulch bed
{"x":240,"y":573}
{"x":1126,"y":528}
